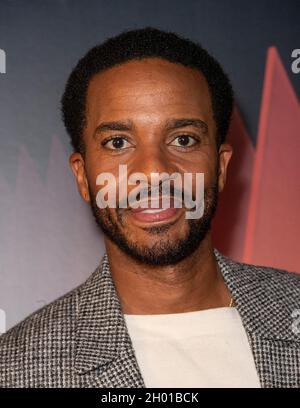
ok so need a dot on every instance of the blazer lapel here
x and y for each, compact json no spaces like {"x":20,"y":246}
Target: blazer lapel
{"x":104,"y":355}
{"x":266,"y":306}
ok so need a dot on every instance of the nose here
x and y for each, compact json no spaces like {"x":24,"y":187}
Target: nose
{"x":151,"y":160}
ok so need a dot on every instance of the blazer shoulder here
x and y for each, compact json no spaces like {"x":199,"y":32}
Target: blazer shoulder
{"x":257,"y":271}
{"x":40,"y":342}
{"x":43,"y":323}
{"x":52,"y":313}
{"x":281,"y":276}
{"x":278,"y":284}
{"x":40,"y":350}
{"x":60,"y":312}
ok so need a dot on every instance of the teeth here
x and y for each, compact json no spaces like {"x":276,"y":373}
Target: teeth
{"x":153,"y":211}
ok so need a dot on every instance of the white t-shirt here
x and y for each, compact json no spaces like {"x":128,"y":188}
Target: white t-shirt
{"x":206,"y":348}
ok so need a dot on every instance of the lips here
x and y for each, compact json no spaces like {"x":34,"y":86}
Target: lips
{"x":155,"y":214}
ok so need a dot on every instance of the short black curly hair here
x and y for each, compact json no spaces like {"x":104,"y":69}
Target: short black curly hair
{"x":140,"y":44}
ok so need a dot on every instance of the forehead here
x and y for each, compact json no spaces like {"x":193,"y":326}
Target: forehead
{"x":152,"y":87}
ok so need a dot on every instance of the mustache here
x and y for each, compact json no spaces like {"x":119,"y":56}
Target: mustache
{"x":156,"y":193}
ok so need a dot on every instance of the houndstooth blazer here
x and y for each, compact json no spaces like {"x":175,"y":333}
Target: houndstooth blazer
{"x":81,"y":339}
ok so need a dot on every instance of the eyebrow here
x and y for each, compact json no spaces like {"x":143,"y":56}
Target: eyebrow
{"x":171,"y":124}
{"x":184,"y":122}
{"x":118,"y":126}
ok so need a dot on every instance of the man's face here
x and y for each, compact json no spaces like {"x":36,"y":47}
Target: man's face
{"x":152,"y":116}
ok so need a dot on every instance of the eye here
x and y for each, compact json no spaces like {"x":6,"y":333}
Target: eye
{"x":116,"y":143}
{"x":184,"y":141}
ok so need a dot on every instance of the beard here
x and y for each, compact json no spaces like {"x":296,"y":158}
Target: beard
{"x":164,"y":251}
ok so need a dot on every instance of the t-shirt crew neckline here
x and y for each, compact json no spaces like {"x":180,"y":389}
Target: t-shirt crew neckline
{"x":181,"y":325}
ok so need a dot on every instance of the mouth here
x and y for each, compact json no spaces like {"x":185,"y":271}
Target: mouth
{"x":156,"y":215}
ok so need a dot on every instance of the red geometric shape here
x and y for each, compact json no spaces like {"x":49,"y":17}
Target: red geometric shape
{"x":273,"y":226}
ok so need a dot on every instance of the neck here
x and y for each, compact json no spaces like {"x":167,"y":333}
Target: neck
{"x":194,"y":283}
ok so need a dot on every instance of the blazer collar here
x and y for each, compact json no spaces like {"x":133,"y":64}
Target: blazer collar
{"x":101,"y":332}
{"x":264,"y":303}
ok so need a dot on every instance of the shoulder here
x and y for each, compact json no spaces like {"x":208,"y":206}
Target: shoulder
{"x":275,"y":277}
{"x":40,"y":347}
{"x":44,"y":320}
{"x":258,"y":272}
{"x":263,"y":281}
{"x":280,"y":284}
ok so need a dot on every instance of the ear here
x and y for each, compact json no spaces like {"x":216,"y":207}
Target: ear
{"x":225,"y":153}
{"x":76,"y":162}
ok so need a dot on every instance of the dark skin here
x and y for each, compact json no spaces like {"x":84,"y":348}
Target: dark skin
{"x":148,"y":96}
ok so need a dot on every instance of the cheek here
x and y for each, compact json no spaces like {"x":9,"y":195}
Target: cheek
{"x":204,"y":172}
{"x":202,"y":160}
{"x":94,"y":169}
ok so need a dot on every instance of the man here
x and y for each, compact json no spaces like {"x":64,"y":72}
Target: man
{"x":164,"y":308}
